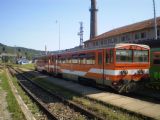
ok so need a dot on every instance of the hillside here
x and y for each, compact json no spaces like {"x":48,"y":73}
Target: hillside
{"x":21,"y":51}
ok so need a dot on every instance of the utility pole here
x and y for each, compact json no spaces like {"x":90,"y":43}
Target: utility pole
{"x":155,"y":21}
{"x":80,"y":33}
{"x":59,"y":34}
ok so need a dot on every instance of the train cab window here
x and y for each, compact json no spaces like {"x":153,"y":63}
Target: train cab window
{"x":99,"y":58}
{"x":124,"y":55}
{"x":156,"y":61}
{"x":90,"y":58}
{"x":140,"y":55}
{"x":109,"y":56}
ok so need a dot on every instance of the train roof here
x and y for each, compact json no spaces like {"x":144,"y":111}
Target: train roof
{"x":126,"y":44}
{"x":81,"y":49}
{"x":157,"y":52}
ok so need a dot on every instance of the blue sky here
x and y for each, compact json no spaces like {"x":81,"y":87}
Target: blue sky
{"x":32,"y":23}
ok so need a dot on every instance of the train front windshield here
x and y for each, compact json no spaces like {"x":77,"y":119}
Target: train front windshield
{"x":132,"y":55}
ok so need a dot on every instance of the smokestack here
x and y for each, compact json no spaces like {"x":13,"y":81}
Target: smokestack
{"x":93,"y":19}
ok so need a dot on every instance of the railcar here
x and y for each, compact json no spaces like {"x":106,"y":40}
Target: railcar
{"x":121,"y":66}
{"x":155,"y":66}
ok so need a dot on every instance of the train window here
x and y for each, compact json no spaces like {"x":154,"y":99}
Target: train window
{"x":63,"y":60}
{"x":124,"y":56}
{"x":67,"y":59}
{"x":82,"y":58}
{"x":99,"y":58}
{"x":90,"y":58}
{"x":109,"y":56}
{"x":140,"y":55}
{"x":75,"y":58}
{"x":156,"y":61}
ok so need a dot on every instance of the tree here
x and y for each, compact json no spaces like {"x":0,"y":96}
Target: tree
{"x":3,"y":49}
{"x":19,"y":53}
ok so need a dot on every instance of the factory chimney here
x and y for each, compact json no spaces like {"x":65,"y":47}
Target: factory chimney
{"x":93,"y":19}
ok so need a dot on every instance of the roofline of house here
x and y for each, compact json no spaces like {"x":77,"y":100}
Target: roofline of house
{"x":122,"y":30}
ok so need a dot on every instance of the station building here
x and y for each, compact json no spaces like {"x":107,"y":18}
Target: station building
{"x":134,"y":33}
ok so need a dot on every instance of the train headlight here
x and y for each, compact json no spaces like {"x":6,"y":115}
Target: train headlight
{"x":124,"y":72}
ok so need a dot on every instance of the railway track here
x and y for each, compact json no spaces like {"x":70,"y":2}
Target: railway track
{"x":142,"y":94}
{"x":142,"y":108}
{"x":55,"y":106}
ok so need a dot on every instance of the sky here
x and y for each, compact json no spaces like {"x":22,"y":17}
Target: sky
{"x":36,"y":23}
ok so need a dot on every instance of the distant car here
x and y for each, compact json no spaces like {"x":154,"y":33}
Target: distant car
{"x":23,"y":61}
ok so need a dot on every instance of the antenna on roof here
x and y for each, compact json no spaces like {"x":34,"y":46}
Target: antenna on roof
{"x":45,"y":49}
{"x":155,"y":21}
{"x":80,"y":33}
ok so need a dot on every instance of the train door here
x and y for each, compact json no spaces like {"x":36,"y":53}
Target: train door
{"x":101,"y":66}
{"x":56,"y":65}
{"x":49,"y":63}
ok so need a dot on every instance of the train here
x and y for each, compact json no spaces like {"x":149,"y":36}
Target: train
{"x":122,"y":66}
{"x":155,"y":65}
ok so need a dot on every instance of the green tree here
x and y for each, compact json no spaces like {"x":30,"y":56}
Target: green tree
{"x":3,"y":49}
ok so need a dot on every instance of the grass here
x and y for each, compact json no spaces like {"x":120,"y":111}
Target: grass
{"x":107,"y":111}
{"x":31,"y":105}
{"x":13,"y":106}
{"x":30,"y":66}
{"x":155,"y":72}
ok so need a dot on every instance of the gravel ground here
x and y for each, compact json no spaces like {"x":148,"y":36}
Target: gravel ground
{"x":4,"y":113}
{"x":61,"y":111}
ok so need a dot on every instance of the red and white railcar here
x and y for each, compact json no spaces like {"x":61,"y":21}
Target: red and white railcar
{"x":121,"y":66}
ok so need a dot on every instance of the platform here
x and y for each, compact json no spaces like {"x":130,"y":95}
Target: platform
{"x":135,"y":105}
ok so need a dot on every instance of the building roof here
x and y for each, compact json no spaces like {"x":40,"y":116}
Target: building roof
{"x":126,"y":29}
